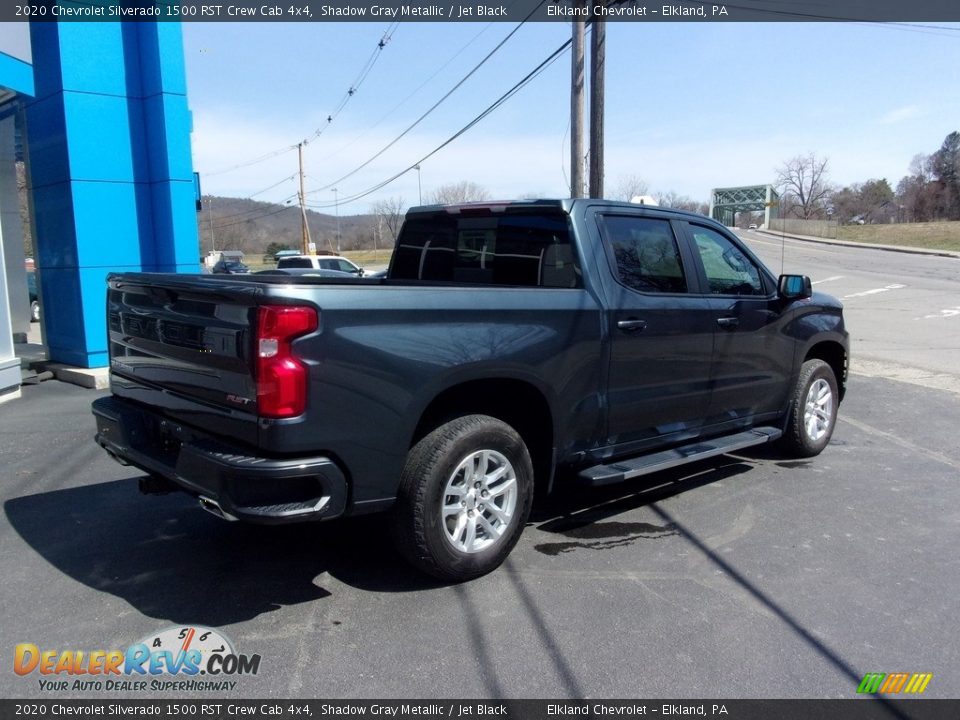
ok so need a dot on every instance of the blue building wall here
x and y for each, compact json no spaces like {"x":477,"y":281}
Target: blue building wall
{"x":111,"y":171}
{"x":16,"y":74}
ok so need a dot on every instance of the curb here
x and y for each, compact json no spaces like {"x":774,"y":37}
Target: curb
{"x":866,"y":246}
{"x":90,"y":378}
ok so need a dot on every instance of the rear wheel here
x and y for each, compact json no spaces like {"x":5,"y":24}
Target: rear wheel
{"x":813,"y":414}
{"x":464,"y":498}
{"x":35,"y":311}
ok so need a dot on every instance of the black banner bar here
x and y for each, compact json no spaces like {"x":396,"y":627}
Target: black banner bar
{"x":215,"y":709}
{"x":928,"y":11}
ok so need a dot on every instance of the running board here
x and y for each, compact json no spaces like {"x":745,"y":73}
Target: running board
{"x":626,"y":469}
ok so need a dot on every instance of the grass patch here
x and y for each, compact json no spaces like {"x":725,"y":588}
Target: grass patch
{"x":369,"y":257}
{"x":932,"y":236}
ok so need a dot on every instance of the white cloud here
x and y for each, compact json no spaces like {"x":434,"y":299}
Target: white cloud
{"x":908,"y":112}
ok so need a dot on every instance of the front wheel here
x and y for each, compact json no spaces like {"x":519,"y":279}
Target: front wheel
{"x":813,"y":413}
{"x":464,"y":498}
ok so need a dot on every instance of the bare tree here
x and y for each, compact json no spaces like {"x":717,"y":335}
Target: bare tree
{"x":628,"y":187}
{"x":945,"y":164}
{"x":805,"y":179}
{"x":461,"y":192}
{"x":917,"y":193}
{"x":682,"y":202}
{"x":390,"y":212}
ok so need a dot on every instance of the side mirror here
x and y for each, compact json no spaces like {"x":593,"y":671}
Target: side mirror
{"x":360,"y":274}
{"x":794,"y":287}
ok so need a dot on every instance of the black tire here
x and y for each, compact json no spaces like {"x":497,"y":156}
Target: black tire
{"x":436,"y":465}
{"x":807,"y":435}
{"x":34,"y":311}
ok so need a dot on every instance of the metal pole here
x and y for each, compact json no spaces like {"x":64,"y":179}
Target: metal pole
{"x":419,"y":186}
{"x":304,"y":248}
{"x":336,"y":204}
{"x":597,"y":59}
{"x":576,"y":104}
{"x":213,"y":244}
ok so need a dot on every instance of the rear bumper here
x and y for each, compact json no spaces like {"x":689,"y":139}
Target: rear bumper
{"x":226,"y":478}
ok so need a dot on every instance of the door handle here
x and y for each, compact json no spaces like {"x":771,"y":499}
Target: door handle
{"x":631,"y":325}
{"x":728,"y":323}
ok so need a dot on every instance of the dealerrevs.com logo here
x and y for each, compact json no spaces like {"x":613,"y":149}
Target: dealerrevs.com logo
{"x":176,"y":659}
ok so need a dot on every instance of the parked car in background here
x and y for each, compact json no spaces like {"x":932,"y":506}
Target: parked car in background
{"x":230,"y":267}
{"x":306,"y":272}
{"x":34,"y":296}
{"x":320,"y":262}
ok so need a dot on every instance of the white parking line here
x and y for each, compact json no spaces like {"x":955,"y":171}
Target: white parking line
{"x":829,"y":279}
{"x":875,"y":291}
{"x":949,"y":312}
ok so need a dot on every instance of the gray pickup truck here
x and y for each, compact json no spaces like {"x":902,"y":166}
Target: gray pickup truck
{"x":509,"y":344}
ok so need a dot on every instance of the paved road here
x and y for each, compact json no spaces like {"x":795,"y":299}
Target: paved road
{"x":746,"y":576}
{"x":903,"y":311}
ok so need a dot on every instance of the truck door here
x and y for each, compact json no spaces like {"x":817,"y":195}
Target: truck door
{"x":661,"y":333}
{"x":752,"y":357}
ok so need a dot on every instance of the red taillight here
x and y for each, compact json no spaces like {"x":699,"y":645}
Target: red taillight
{"x":281,"y":378}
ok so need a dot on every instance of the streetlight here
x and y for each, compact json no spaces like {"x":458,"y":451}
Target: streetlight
{"x":336,"y":205}
{"x":419,"y":186}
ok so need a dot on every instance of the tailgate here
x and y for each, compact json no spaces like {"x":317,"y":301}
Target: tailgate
{"x":184,"y":344}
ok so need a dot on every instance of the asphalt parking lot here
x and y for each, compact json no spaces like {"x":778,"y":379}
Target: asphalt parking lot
{"x":744,"y":576}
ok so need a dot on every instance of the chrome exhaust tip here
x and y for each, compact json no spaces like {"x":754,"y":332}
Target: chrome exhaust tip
{"x":213,"y":507}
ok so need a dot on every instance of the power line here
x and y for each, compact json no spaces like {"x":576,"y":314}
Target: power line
{"x":256,"y":217}
{"x":271,"y":187}
{"x":251,"y":211}
{"x":915,"y":28}
{"x":254,"y":161}
{"x":351,"y":91}
{"x":358,"y":81}
{"x":490,"y":108}
{"x":432,"y":108}
{"x":410,"y":95}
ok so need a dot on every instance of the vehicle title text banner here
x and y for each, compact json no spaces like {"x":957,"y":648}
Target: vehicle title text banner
{"x":918,"y":11}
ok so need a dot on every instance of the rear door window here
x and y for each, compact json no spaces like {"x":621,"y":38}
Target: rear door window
{"x":519,"y":250}
{"x":645,"y":253}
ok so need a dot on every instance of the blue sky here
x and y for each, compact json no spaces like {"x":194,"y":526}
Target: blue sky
{"x":690,"y":106}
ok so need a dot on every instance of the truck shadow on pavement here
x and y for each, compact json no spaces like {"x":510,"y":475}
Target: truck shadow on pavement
{"x":171,"y":560}
{"x":581,"y":516}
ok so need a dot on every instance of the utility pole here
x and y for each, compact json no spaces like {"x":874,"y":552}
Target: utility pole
{"x":419,"y":186}
{"x":598,"y":42}
{"x":576,"y":104}
{"x":336,"y":204}
{"x":304,"y":228}
{"x":213,"y":245}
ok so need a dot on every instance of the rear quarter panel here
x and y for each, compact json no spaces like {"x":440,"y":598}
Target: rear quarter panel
{"x":382,"y":354}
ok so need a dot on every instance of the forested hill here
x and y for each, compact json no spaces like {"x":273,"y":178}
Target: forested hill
{"x":252,"y":226}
